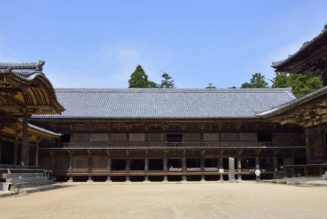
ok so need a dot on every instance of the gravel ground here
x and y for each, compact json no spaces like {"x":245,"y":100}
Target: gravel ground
{"x":180,"y":200}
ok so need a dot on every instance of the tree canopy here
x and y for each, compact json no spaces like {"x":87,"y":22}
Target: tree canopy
{"x":301,"y":84}
{"x":211,"y":86}
{"x":139,"y":79}
{"x":257,"y":81}
{"x":167,"y":81}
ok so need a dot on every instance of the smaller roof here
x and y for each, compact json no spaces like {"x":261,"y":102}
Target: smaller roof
{"x":44,"y":131}
{"x":35,"y":131}
{"x":38,"y":94}
{"x":293,"y":104}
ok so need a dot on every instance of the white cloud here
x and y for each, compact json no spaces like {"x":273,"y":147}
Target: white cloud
{"x":120,"y":61}
{"x":7,"y":54}
{"x":109,"y":66}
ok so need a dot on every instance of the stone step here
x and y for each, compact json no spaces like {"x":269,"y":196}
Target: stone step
{"x":24,"y":191}
{"x":4,"y":186}
{"x":25,"y":179}
{"x":16,"y":175}
{"x":32,"y":184}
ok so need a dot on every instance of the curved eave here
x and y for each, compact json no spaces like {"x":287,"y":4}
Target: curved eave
{"x":38,"y":77}
{"x":292,"y":104}
{"x":44,"y":132}
{"x":304,"y":51}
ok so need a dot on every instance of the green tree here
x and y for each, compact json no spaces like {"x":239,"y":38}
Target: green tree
{"x":167,"y":81}
{"x":301,"y":84}
{"x":139,"y":79}
{"x":281,"y":80}
{"x":257,"y":81}
{"x":211,"y":86}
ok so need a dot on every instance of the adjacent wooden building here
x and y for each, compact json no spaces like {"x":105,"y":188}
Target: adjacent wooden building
{"x":169,"y":134}
{"x":24,"y":90}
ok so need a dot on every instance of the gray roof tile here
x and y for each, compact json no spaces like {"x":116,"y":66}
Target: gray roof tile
{"x":167,"y":103}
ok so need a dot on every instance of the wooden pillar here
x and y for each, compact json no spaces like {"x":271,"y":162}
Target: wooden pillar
{"x":202,"y":165}
{"x":239,"y":166}
{"x":25,"y":141}
{"x":0,"y":146}
{"x":146,"y":167}
{"x":257,"y":159}
{"x":51,"y":153}
{"x":127,"y":168}
{"x":108,"y":167}
{"x":70,"y":169}
{"x":220,"y":165}
{"x":16,"y":148}
{"x":239,"y":169}
{"x":307,"y":144}
{"x":184,"y":166}
{"x":37,"y":152}
{"x":165,"y":168}
{"x":89,"y":161}
{"x":275,"y":164}
{"x":221,"y":160}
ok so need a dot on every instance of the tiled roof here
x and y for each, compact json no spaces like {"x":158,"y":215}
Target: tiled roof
{"x":167,"y":103}
{"x":29,"y":72}
{"x":292,"y":104}
{"x":306,"y":46}
{"x":26,"y":71}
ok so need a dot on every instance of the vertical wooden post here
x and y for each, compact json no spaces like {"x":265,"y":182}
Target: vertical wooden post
{"x":89,"y":166}
{"x":127,"y":168}
{"x":307,"y":144}
{"x":275,"y":160}
{"x":220,"y":165}
{"x":239,"y":166}
{"x":146,"y":167}
{"x":70,"y":170}
{"x":37,"y":152}
{"x":257,"y":160}
{"x":202,"y":165}
{"x":0,"y":146}
{"x":25,"y":141}
{"x":165,"y":168}
{"x":16,"y":148}
{"x":184,"y":166}
{"x":108,"y":167}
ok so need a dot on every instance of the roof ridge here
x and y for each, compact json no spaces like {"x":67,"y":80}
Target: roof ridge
{"x":25,"y":65}
{"x":173,"y":90}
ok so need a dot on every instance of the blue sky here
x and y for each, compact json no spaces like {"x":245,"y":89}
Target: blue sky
{"x":99,"y":43}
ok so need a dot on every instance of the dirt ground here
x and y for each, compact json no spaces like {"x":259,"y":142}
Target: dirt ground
{"x":183,"y":200}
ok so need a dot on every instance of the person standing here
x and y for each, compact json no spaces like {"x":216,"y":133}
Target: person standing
{"x":257,"y":173}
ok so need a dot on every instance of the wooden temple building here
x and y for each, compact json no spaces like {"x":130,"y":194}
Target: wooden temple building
{"x":24,"y":90}
{"x":168,"y":134}
{"x":165,"y":134}
{"x":309,"y":111}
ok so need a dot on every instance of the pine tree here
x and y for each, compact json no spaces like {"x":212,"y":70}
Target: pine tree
{"x":257,"y":81}
{"x":167,"y":81}
{"x":211,"y":86}
{"x":139,"y":79}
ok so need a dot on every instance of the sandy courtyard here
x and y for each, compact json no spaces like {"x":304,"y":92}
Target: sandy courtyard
{"x":188,"y":200}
